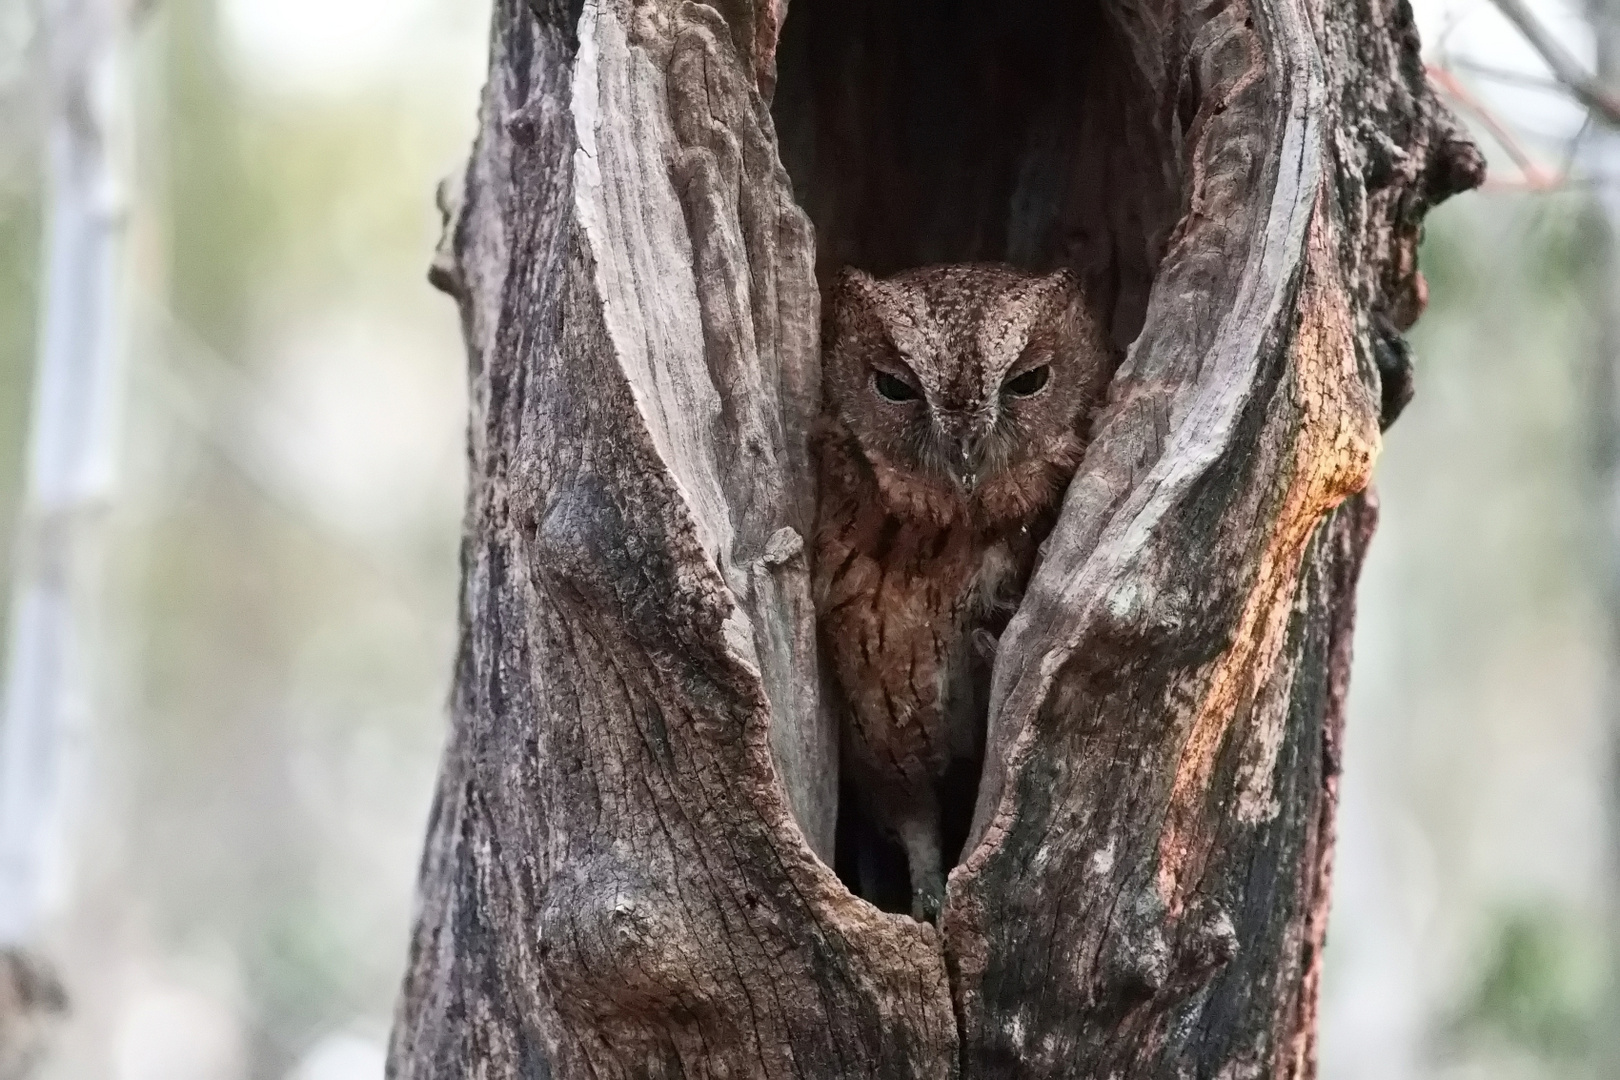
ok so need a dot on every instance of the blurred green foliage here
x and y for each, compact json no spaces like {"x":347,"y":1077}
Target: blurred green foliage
{"x":1480,"y":646}
{"x":20,"y":228}
{"x":280,"y":672}
{"x":1541,"y":987}
{"x":220,"y":223}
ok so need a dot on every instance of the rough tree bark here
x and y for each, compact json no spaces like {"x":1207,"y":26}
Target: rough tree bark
{"x":627,"y":867}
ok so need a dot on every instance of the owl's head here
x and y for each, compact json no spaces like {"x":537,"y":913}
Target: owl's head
{"x":964,"y":373}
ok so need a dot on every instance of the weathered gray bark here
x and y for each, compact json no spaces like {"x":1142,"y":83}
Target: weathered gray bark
{"x":627,"y":869}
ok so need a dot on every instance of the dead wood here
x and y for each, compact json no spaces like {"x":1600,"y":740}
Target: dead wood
{"x":627,"y":868}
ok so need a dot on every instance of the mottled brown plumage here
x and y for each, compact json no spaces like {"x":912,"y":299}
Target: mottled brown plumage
{"x":957,"y":399}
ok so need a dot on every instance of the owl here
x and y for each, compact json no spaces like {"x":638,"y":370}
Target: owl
{"x":957,"y":401}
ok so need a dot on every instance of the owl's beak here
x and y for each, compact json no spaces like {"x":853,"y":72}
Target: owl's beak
{"x":964,"y":449}
{"x":964,"y":466}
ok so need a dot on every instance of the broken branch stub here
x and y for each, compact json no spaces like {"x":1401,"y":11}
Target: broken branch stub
{"x":626,"y":871}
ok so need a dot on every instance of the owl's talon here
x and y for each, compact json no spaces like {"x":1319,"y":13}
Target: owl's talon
{"x":925,"y":905}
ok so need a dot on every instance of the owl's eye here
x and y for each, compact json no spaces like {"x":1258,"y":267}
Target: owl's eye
{"x":893,"y":388}
{"x":1030,"y":382}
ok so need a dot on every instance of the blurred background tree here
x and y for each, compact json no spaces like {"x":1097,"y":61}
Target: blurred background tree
{"x":279,"y":613}
{"x":280,"y":608}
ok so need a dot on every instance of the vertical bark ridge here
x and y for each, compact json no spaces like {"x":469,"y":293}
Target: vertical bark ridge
{"x":1331,"y":459}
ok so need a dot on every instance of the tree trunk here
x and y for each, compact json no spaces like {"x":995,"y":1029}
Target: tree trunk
{"x":47,"y":686}
{"x":627,"y":870}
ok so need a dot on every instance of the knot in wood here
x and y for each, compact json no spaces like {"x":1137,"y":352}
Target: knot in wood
{"x":1208,"y":942}
{"x":785,"y":546}
{"x":1138,"y":965}
{"x":615,"y":557}
{"x":1137,"y":619}
{"x":623,"y":950}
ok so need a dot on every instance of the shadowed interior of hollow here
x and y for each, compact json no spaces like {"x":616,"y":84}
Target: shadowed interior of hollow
{"x":1020,"y":131}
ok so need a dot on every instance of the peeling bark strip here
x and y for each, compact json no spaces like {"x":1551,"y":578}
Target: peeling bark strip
{"x":626,"y":871}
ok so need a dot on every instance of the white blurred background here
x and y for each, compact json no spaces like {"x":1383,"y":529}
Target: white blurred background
{"x":274,"y":622}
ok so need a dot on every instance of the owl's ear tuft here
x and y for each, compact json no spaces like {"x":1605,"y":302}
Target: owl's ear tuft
{"x":856,"y":298}
{"x":853,"y":282}
{"x":1064,"y":280}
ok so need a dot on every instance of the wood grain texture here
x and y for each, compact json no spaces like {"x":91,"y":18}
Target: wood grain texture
{"x":625,"y":872}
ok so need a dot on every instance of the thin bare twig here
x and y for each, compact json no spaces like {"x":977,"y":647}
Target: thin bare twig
{"x":1503,"y":75}
{"x":1582,"y":84}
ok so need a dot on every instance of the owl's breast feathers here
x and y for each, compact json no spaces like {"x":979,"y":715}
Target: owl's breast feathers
{"x":905,"y":571}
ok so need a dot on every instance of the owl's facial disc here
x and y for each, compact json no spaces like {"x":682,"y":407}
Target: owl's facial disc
{"x":960,"y":374}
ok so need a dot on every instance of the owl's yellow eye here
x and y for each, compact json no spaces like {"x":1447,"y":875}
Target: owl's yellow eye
{"x":1030,"y":382}
{"x":894,"y":388}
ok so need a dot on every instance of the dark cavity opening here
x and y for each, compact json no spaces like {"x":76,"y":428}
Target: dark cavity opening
{"x":1020,"y":131}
